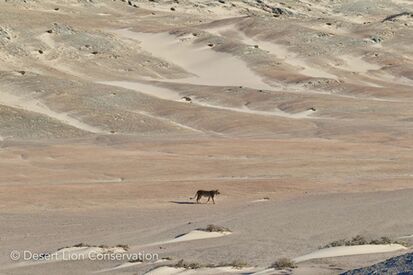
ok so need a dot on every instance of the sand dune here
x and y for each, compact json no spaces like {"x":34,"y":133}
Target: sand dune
{"x":357,"y":64}
{"x":147,"y":89}
{"x":36,"y":106}
{"x":121,"y":266}
{"x":350,"y":250}
{"x":261,"y":200}
{"x":167,"y":270}
{"x":208,"y":66}
{"x":278,"y":50}
{"x":198,"y":235}
{"x":169,"y":94}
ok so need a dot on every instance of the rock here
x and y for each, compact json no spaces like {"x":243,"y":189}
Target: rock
{"x":5,"y":34}
{"x":376,"y":39}
{"x":186,"y":99}
{"x":280,"y":11}
{"x":397,"y":265}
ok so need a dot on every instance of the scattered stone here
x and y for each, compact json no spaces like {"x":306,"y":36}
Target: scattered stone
{"x":61,"y":29}
{"x":280,"y":11}
{"x":186,"y":99}
{"x":5,"y":34}
{"x":132,"y":4}
{"x":376,"y":39}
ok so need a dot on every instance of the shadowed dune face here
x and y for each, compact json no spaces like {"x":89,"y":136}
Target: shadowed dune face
{"x":113,"y":113}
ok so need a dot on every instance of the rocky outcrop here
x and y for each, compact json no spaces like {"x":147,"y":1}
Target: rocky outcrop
{"x":397,"y":265}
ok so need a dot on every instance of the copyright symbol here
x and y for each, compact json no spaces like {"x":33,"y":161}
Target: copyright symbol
{"x":15,"y":255}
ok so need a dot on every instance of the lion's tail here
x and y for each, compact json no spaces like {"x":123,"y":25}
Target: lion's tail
{"x":194,"y":196}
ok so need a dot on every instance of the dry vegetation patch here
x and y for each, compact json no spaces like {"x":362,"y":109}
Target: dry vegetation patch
{"x":283,"y":263}
{"x":194,"y":265}
{"x":215,"y":228}
{"x":360,"y":240}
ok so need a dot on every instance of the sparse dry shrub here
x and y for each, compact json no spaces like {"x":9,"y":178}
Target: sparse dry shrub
{"x":216,"y":228}
{"x":283,"y":263}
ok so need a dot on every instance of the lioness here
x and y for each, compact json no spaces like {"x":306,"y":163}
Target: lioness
{"x":202,"y":193}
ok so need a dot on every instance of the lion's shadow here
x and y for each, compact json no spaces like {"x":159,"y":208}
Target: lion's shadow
{"x":182,"y":202}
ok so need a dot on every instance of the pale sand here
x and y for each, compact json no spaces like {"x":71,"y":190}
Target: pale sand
{"x":121,"y":266}
{"x":357,"y":64}
{"x":260,"y":200}
{"x":280,"y":51}
{"x":198,"y":235}
{"x":350,"y":250}
{"x":208,"y":66}
{"x":191,"y":236}
{"x":151,"y":90}
{"x":47,"y":40}
{"x":86,"y":250}
{"x":169,"y":94}
{"x":406,"y":237}
{"x":33,"y":105}
{"x":167,"y":270}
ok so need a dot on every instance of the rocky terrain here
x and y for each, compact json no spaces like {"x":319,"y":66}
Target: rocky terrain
{"x":114,"y":112}
{"x":398,"y":265}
